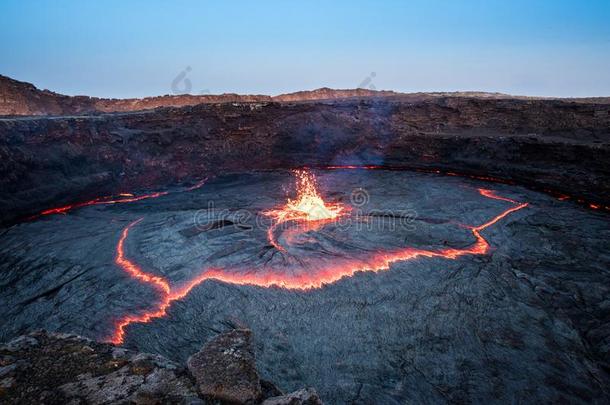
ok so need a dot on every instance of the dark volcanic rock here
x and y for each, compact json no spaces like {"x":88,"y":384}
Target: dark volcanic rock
{"x":55,"y":368}
{"x":59,"y":368}
{"x":305,"y":396}
{"x":526,"y":322}
{"x":225,"y":368}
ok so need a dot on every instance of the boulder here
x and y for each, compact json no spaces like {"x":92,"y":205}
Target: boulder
{"x":225,"y":368}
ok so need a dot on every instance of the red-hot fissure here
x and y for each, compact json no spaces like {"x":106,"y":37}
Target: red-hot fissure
{"x":118,"y":199}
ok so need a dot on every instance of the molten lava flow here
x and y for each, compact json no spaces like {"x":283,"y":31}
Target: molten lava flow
{"x":157,"y":282}
{"x":131,"y":268}
{"x":123,"y":198}
{"x":309,"y":206}
{"x":197,"y":185}
{"x":340,"y":268}
{"x":492,"y":194}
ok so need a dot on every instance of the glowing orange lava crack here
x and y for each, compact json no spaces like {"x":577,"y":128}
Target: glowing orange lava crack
{"x":126,"y":198}
{"x":378,"y":262}
{"x":123,"y":198}
{"x":133,"y":269}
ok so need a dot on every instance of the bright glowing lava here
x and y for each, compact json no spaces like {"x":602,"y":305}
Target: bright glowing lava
{"x":124,"y":198}
{"x":307,"y":207}
{"x":321,"y":276}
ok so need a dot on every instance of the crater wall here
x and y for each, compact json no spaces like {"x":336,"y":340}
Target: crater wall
{"x":549,"y":144}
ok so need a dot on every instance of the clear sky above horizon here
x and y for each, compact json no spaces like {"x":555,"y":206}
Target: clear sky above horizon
{"x":143,"y":48}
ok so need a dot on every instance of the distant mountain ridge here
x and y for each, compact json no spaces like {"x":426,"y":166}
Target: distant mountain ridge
{"x":22,"y":98}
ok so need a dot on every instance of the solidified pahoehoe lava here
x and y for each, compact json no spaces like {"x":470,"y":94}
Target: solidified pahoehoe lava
{"x":317,"y":278}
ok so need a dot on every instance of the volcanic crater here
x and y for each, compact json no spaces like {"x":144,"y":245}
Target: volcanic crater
{"x":374,"y":256}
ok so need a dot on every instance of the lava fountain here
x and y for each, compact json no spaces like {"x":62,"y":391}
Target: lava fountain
{"x":308,"y":210}
{"x":309,"y":205}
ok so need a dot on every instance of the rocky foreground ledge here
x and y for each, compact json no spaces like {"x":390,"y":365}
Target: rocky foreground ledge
{"x":56,"y":368}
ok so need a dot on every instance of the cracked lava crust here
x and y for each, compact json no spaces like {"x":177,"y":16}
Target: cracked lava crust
{"x":348,"y":279}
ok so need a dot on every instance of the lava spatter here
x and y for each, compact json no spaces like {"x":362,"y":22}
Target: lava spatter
{"x":308,"y":208}
{"x":379,"y":261}
{"x":309,"y":204}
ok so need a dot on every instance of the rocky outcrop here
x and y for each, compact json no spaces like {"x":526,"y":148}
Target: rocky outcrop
{"x":225,"y":368}
{"x":57,"y":368}
{"x":21,"y":98}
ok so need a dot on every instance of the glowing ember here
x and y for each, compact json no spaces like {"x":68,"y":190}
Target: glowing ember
{"x":326,"y":274}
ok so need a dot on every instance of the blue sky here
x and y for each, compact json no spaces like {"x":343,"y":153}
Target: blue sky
{"x":137,"y":48}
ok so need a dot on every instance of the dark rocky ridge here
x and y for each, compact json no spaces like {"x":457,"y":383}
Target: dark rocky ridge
{"x":46,"y":162}
{"x":22,"y":98}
